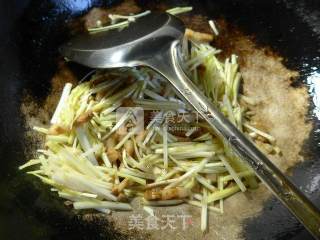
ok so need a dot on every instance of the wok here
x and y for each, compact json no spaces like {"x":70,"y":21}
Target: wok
{"x":30,"y":33}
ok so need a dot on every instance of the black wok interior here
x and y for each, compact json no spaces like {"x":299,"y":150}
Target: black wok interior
{"x":30,"y":33}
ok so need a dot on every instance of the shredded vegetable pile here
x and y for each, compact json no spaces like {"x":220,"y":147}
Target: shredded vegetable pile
{"x":97,"y":158}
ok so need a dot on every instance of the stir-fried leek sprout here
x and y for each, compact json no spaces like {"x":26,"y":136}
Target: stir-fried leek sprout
{"x":98,"y":160}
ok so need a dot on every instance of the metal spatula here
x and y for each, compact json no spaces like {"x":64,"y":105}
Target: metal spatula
{"x":155,"y":41}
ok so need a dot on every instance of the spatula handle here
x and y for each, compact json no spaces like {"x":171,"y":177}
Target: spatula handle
{"x":167,"y":64}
